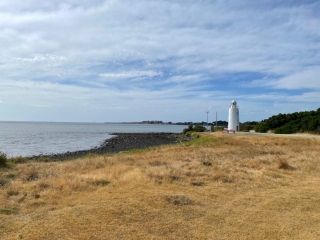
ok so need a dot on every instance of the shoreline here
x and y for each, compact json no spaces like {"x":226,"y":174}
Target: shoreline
{"x":120,"y":142}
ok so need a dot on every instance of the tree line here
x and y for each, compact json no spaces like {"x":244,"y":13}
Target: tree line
{"x":308,"y":121}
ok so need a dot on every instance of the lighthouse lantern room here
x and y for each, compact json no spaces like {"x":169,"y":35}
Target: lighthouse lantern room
{"x":233,"y":123}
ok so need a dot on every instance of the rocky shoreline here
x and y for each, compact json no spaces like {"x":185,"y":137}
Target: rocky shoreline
{"x":119,"y":143}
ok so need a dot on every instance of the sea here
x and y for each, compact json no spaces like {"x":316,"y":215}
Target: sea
{"x":35,"y":138}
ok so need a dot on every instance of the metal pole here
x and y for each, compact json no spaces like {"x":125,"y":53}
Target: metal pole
{"x":216,"y":119}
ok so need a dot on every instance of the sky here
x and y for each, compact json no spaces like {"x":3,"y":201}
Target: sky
{"x":125,"y":61}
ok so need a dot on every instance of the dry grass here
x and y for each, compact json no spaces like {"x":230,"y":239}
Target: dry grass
{"x":219,"y":187}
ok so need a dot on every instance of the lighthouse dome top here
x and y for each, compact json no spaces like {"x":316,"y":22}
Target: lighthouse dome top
{"x":234,"y":103}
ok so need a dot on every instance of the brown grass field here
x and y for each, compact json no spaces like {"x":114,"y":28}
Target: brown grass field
{"x":219,"y":186}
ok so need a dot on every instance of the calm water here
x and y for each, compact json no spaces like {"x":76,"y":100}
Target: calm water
{"x":34,"y":138}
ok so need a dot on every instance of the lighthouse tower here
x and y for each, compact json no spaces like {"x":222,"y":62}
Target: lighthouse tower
{"x":233,"y":123}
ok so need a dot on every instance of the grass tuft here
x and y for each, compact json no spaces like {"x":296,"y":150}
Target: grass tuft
{"x":43,"y":159}
{"x":283,"y":164}
{"x":9,"y":211}
{"x":37,"y":195}
{"x":157,"y":163}
{"x":197,"y":184}
{"x":101,"y":183}
{"x":12,"y":193}
{"x":10,"y":176}
{"x":23,"y":197}
{"x":3,"y":182}
{"x":91,"y":155}
{"x":38,"y":204}
{"x":206,"y":163}
{"x":179,"y":200}
{"x":31,"y":174}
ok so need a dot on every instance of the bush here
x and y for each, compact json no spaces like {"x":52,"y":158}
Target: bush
{"x":196,"y":128}
{"x":3,"y":159}
{"x":188,"y":129}
{"x":217,"y":129}
{"x":199,"y":128}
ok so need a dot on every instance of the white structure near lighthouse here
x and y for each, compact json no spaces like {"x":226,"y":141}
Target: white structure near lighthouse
{"x":233,"y":123}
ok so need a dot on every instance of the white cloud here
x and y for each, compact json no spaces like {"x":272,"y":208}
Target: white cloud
{"x":309,"y":78}
{"x":307,"y":97}
{"x":131,"y":74}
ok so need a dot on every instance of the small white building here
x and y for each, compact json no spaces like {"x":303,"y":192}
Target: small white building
{"x":233,"y":123}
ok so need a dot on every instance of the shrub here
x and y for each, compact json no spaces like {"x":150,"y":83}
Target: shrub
{"x":199,"y":128}
{"x":216,"y":129}
{"x":188,"y":129}
{"x":191,"y":128}
{"x":3,"y":159}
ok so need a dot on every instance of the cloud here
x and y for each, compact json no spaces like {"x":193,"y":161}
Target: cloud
{"x":108,"y":54}
{"x":131,"y":74}
{"x":306,"y":79}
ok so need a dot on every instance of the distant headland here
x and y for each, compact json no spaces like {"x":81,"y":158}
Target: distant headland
{"x":219,"y":123}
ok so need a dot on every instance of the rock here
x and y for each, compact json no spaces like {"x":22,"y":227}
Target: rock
{"x":121,"y":142}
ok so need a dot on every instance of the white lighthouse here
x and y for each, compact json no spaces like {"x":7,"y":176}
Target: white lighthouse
{"x":233,"y":123}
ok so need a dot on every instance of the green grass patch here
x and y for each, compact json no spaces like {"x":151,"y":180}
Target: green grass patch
{"x":91,"y":155}
{"x":9,"y":211}
{"x":38,"y":204}
{"x":179,"y":200}
{"x":12,"y":193}
{"x":11,"y":176}
{"x":137,"y":151}
{"x":199,"y":140}
{"x":101,"y":183}
{"x":18,"y":160}
{"x":44,"y":159}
